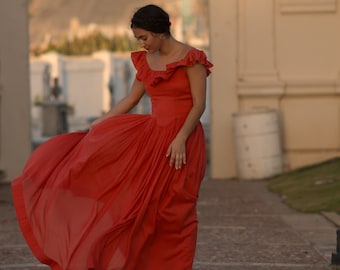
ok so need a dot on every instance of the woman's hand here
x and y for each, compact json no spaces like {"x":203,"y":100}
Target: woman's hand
{"x":176,"y":152}
{"x":95,"y":122}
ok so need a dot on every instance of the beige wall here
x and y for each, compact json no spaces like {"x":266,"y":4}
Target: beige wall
{"x":15,"y":144}
{"x":281,"y":54}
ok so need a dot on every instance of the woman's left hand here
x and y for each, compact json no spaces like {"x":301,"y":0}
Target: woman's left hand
{"x":176,"y":152}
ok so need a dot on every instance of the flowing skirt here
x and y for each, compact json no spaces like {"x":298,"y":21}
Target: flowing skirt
{"x":108,"y":199}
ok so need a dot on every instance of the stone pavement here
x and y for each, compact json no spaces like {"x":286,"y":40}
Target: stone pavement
{"x":242,"y":226}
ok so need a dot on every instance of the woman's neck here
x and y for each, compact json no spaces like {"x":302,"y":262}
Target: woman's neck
{"x":169,"y":46}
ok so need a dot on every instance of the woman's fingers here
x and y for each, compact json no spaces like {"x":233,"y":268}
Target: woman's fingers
{"x":180,"y":159}
{"x":176,"y":159}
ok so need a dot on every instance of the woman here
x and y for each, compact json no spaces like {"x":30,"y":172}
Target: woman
{"x":123,"y":195}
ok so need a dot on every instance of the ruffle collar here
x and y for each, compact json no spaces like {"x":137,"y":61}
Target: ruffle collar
{"x":153,"y":77}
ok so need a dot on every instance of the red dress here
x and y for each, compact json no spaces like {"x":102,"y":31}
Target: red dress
{"x":107,"y":199}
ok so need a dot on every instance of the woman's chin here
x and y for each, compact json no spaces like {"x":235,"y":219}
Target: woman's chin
{"x":151,"y":51}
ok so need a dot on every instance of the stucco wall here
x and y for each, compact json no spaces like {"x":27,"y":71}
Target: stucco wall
{"x":279,"y":54}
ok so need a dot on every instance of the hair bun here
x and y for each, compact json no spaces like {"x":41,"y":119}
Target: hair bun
{"x":151,"y":18}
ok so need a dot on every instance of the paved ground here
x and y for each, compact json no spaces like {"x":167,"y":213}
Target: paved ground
{"x":242,"y":226}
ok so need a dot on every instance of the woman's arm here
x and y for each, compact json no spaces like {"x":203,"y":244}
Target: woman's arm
{"x":197,"y":77}
{"x":127,"y":103}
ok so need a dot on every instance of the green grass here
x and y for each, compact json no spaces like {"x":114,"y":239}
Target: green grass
{"x":310,"y":189}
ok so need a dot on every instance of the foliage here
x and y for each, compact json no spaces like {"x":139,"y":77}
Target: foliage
{"x":93,"y":42}
{"x":312,"y":188}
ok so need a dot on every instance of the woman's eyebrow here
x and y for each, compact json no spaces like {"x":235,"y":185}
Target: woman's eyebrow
{"x":141,"y":36}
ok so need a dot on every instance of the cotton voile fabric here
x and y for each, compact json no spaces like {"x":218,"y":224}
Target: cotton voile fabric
{"x":107,"y":199}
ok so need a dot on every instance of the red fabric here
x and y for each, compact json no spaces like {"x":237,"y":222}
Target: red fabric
{"x":107,"y":198}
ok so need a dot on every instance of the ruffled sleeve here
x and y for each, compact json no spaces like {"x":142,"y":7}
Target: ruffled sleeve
{"x":193,"y":57}
{"x":153,"y":77}
{"x":139,"y":61}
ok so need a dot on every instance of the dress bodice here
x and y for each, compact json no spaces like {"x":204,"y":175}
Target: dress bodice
{"x":169,"y":89}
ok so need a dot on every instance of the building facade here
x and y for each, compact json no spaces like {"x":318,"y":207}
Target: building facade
{"x":282,"y":55}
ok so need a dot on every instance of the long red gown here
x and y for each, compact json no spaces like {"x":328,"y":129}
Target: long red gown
{"x":107,"y":199}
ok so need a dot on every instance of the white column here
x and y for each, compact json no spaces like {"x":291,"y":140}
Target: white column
{"x":15,"y":135}
{"x":223,"y":36}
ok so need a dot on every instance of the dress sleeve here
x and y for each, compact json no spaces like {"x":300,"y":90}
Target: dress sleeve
{"x":138,"y":60}
{"x":195,"y":56}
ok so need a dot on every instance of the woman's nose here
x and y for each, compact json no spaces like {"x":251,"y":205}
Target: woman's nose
{"x":141,"y":43}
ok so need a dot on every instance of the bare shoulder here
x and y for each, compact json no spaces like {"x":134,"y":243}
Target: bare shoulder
{"x":184,"y":49}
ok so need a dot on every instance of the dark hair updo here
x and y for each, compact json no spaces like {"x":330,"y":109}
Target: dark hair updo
{"x":151,"y":18}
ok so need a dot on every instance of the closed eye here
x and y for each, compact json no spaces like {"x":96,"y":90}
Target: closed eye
{"x":144,"y":38}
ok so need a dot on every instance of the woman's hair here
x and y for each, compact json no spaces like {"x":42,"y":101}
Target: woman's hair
{"x":151,"y":18}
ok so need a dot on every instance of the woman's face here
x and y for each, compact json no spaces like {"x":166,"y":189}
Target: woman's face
{"x":147,"y":40}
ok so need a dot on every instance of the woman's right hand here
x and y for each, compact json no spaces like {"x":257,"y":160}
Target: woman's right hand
{"x":97,"y":121}
{"x":177,"y":153}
